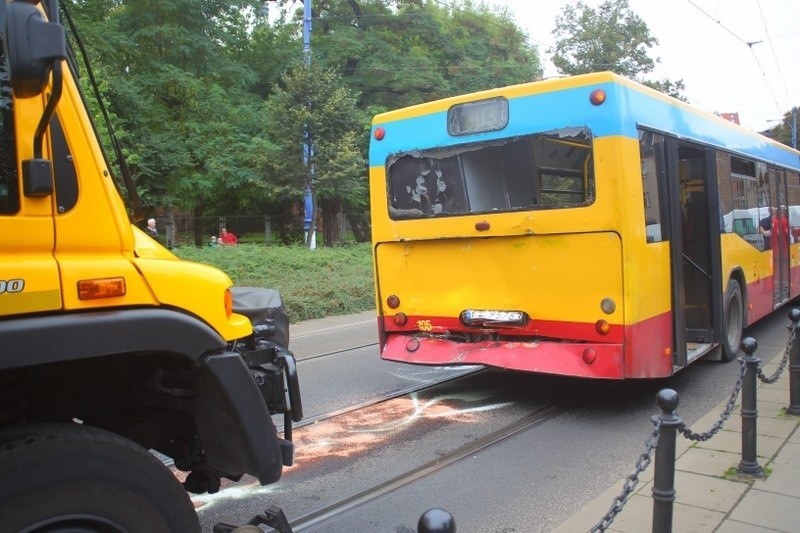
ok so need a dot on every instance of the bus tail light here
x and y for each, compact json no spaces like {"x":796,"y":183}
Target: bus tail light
{"x":602,"y":327}
{"x":400,"y":319}
{"x":379,"y":133}
{"x":393,"y":301}
{"x":597,"y":97}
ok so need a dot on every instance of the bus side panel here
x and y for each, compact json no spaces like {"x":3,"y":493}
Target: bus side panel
{"x":794,"y":276}
{"x":759,"y":298}
{"x":648,"y":348}
{"x":738,"y":254}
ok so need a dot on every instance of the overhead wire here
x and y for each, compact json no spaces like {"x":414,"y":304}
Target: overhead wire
{"x":749,"y":45}
{"x":774,"y":55}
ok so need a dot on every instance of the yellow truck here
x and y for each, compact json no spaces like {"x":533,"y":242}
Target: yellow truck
{"x":111,"y":348}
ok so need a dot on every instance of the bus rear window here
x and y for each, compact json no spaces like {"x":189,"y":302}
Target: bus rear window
{"x":545,"y":171}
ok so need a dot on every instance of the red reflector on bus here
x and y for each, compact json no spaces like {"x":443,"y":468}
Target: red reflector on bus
{"x":400,"y":319}
{"x":393,"y":301}
{"x":602,"y":327}
{"x":597,"y":97}
{"x":589,"y":355}
{"x":379,"y":134}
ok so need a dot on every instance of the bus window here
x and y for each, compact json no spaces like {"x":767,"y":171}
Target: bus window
{"x":793,"y":189}
{"x":649,"y":145}
{"x":543,"y":171}
{"x":738,"y":186}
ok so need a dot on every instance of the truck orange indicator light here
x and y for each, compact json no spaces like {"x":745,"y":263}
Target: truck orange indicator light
{"x":94,"y":289}
{"x":228,"y":303}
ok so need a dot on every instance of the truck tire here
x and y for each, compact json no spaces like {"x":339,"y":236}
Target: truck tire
{"x":733,"y":321}
{"x":70,"y":477}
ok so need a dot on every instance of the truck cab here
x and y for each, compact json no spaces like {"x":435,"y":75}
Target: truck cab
{"x":112,"y":347}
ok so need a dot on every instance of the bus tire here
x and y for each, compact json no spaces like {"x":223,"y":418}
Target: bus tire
{"x":70,"y":477}
{"x":732,"y":324}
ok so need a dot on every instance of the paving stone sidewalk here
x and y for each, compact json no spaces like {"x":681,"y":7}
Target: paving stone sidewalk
{"x":711,"y":496}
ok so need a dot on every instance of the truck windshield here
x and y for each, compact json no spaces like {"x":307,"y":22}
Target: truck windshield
{"x":9,"y":190}
{"x":543,"y":171}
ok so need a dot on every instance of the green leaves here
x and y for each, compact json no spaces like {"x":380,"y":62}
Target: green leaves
{"x":611,"y":37}
{"x":211,"y":102}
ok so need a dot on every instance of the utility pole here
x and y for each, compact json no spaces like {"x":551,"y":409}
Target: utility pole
{"x":309,"y":196}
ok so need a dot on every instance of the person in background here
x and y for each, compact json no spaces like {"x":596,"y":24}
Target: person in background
{"x":213,"y":242}
{"x":227,"y":238}
{"x":151,"y":228}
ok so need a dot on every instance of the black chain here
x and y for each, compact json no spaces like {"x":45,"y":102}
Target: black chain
{"x":646,"y":458}
{"x":774,"y":377}
{"x":686,"y":432}
{"x":631,"y":481}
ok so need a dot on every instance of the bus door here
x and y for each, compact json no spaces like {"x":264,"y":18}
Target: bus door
{"x":780,"y":236}
{"x":695,"y":249}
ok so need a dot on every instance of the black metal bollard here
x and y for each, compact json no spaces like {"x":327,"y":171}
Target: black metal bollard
{"x":436,"y":521}
{"x":664,"y":480}
{"x":794,"y":366}
{"x":749,"y":464}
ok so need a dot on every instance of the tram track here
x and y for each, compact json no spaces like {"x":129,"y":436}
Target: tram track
{"x":303,"y":359}
{"x":385,"y":397}
{"x":320,"y":519}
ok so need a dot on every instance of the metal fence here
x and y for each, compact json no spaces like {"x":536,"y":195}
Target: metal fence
{"x":668,"y":425}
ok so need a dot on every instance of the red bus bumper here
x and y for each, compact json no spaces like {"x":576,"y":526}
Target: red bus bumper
{"x":546,"y":357}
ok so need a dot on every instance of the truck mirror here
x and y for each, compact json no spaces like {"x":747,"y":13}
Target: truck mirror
{"x":33,"y":45}
{"x":37,"y":178}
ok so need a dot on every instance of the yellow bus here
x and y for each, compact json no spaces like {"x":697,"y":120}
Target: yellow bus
{"x":585,"y":226}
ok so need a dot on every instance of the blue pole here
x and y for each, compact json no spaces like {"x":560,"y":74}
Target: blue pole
{"x":307,"y":31}
{"x":308,"y":144}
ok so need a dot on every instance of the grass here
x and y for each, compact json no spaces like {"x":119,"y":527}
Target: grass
{"x":313,"y":283}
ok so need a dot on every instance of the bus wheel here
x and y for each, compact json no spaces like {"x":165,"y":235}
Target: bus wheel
{"x":70,"y":477}
{"x":734,"y":318}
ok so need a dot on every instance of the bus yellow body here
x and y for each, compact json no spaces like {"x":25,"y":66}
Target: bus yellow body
{"x":585,"y":226}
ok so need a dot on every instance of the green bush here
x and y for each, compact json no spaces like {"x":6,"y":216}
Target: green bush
{"x":313,"y":283}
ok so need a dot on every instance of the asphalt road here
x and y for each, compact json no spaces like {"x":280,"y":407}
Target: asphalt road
{"x":529,"y":482}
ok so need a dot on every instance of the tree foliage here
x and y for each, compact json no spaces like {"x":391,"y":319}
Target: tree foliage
{"x":210,"y":100}
{"x":788,"y":128}
{"x":609,"y":38}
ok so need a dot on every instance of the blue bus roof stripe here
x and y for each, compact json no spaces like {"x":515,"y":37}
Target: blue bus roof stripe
{"x":625,"y":108}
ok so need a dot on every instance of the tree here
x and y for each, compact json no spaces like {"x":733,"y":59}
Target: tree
{"x":400,"y":53}
{"x":185,"y":83}
{"x":178,"y":86}
{"x":313,"y":98}
{"x":786,"y":131}
{"x":611,"y":37}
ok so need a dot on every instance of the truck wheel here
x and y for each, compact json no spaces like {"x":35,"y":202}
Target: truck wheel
{"x":732,"y":323}
{"x":70,"y":477}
